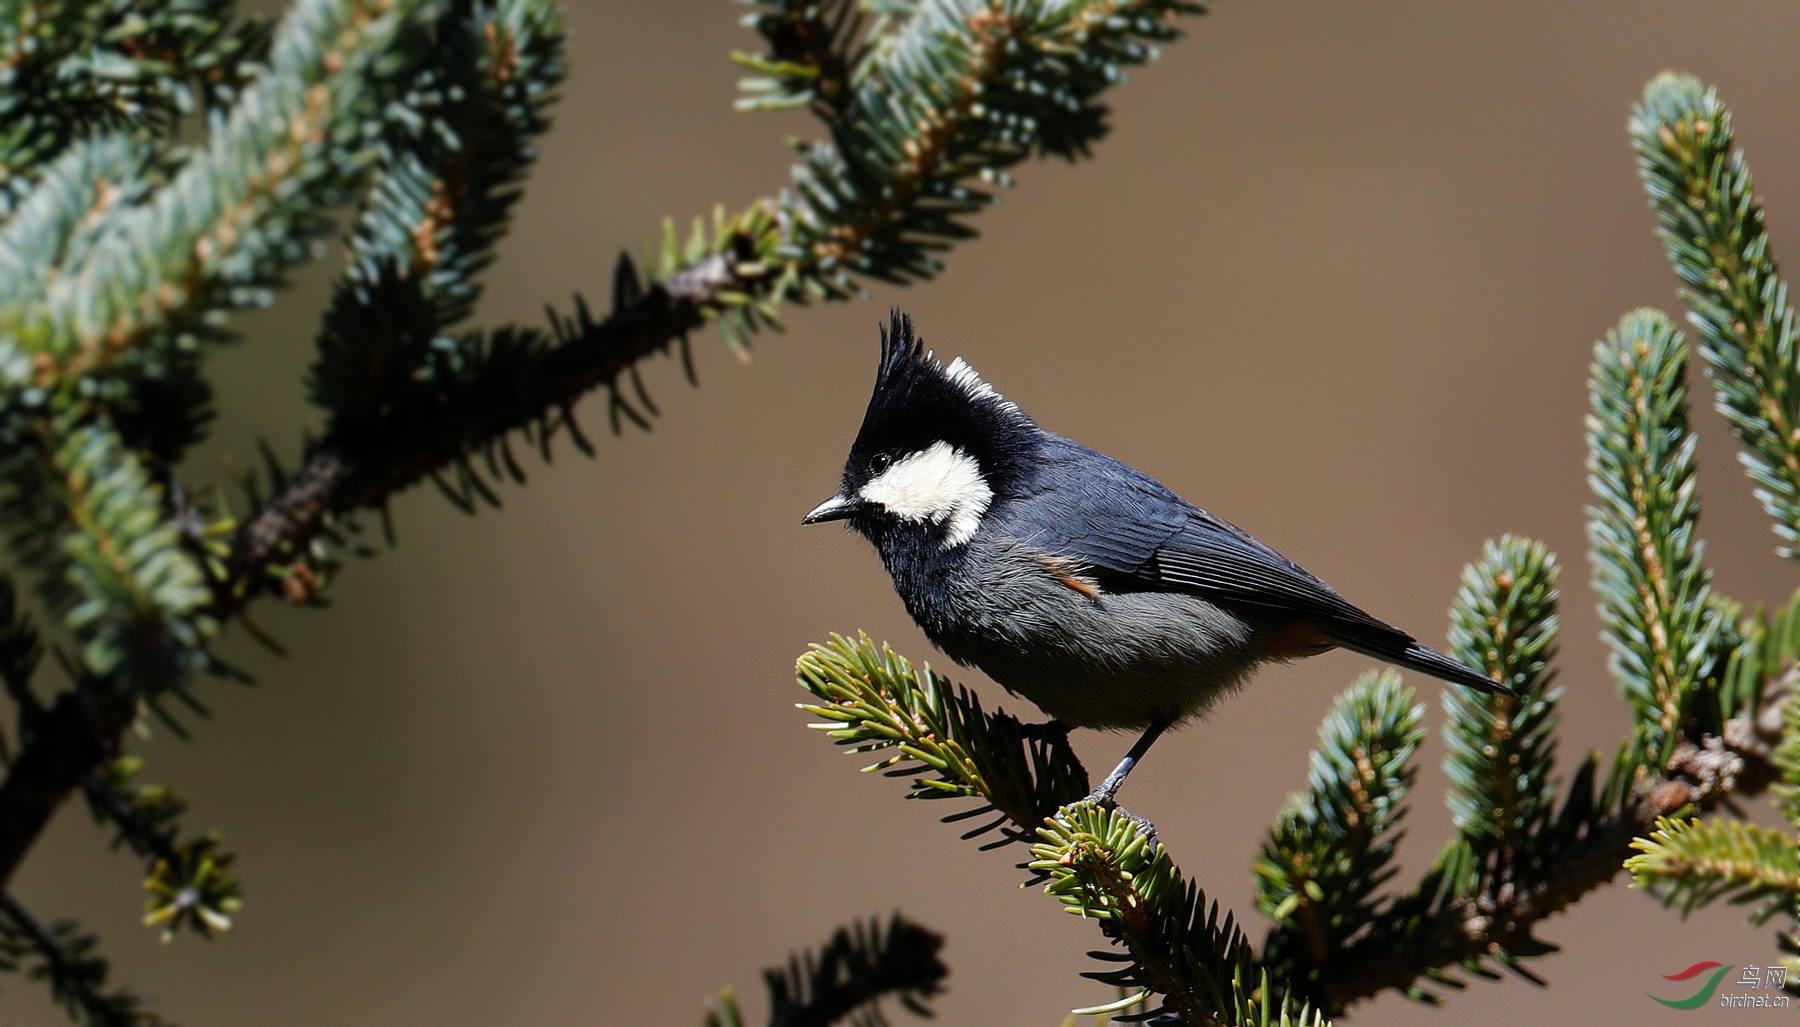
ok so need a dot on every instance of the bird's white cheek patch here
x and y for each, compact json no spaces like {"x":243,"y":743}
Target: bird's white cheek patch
{"x":941,"y":484}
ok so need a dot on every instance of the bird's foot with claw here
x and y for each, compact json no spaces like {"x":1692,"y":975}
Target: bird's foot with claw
{"x":1143,"y":824}
{"x":1103,"y":796}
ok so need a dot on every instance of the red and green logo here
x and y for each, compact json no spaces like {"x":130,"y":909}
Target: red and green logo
{"x":1705,"y":994}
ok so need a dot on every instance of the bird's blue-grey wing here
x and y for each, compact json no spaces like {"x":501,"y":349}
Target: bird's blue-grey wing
{"x":1139,"y":536}
{"x":1088,"y":507}
{"x":1133,"y":534}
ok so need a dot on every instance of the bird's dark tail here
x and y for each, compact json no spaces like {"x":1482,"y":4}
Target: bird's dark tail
{"x":1398,"y":648}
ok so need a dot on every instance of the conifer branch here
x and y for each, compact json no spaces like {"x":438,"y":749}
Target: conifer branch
{"x":69,"y":69}
{"x":80,"y":731}
{"x":872,"y":700}
{"x":854,"y":971}
{"x":1102,"y":862}
{"x":1654,"y":588}
{"x":223,"y":228}
{"x":1695,"y":862}
{"x":847,"y":979}
{"x":1332,"y":845}
{"x":78,"y":199}
{"x":1711,"y":226}
{"x":135,"y":587}
{"x":188,"y":884}
{"x":893,"y":186}
{"x":1441,"y":925}
{"x":1480,"y":904}
{"x":531,"y":389}
{"x":480,"y":80}
{"x":89,"y":518}
{"x":1105,"y":865}
{"x":813,"y":51}
{"x":1466,"y":914}
{"x":140,"y":266}
{"x":1516,"y":861}
{"x":142,"y":815}
{"x":1786,"y":758}
{"x":64,"y":957}
{"x":1501,"y":753}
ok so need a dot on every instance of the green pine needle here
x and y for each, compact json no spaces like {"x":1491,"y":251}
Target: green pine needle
{"x":872,"y":700}
{"x":79,"y":200}
{"x":193,"y":890}
{"x":1711,"y":226}
{"x":1691,"y":863}
{"x":1787,"y":760}
{"x":928,"y":106}
{"x":217,"y":235}
{"x":1101,"y":862}
{"x":1332,"y":845}
{"x":1501,"y":750}
{"x":1104,"y":865}
{"x":469,"y":105}
{"x":118,"y":572}
{"x":1642,"y":530}
{"x":80,"y":67}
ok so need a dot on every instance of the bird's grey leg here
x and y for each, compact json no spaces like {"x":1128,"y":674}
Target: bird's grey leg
{"x":1110,"y":786}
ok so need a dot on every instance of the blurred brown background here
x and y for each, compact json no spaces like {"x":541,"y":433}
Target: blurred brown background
{"x":1335,"y":276}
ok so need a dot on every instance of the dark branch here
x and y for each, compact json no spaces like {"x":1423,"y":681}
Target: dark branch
{"x":342,"y":474}
{"x":84,"y":728}
{"x":146,"y":838}
{"x":856,"y":969}
{"x":77,"y":978}
{"x":67,"y":744}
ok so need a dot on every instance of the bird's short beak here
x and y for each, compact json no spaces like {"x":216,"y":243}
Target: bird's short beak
{"x":836,"y":508}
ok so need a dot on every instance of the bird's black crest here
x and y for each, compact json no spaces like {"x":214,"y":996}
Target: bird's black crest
{"x":910,"y":374}
{"x":918,"y":400}
{"x":899,"y":345}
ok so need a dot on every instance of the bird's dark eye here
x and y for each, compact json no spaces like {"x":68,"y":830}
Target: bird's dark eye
{"x":880,"y":462}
